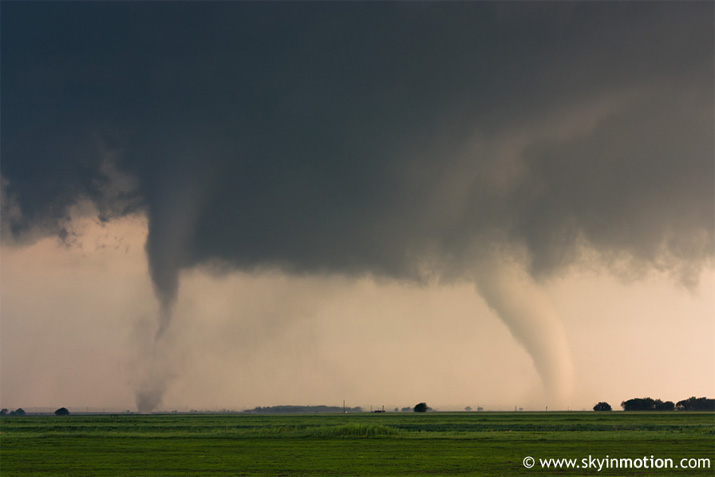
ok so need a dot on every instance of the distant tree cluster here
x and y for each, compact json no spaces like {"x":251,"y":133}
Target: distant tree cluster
{"x":422,"y":407}
{"x":301,"y":409}
{"x":647,"y":404}
{"x":63,"y":411}
{"x":696,"y":404}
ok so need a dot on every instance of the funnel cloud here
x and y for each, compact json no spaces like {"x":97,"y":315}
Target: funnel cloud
{"x":532,"y":320}
{"x":497,"y":144}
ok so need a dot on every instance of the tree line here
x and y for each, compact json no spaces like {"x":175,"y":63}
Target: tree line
{"x":21,"y":412}
{"x":301,"y":409}
{"x":649,"y":404}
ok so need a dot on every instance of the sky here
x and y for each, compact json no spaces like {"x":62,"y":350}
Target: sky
{"x":228,"y":205}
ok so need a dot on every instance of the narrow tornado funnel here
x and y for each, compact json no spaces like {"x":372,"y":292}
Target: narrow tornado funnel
{"x":532,"y":320}
{"x":170,"y":231}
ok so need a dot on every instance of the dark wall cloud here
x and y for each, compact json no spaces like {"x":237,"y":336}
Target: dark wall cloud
{"x":406,"y":140}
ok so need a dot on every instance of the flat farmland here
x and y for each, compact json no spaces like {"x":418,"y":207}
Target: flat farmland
{"x":474,"y":443}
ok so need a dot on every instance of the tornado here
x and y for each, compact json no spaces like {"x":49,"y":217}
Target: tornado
{"x":533,"y":321}
{"x":171,"y":228}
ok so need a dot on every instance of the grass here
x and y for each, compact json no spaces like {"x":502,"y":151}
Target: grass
{"x":353,"y":444}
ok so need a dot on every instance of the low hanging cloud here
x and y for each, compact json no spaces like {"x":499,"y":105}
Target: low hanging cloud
{"x":416,"y":142}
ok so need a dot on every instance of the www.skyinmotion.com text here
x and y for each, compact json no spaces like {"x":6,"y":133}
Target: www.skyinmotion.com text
{"x":598,"y":464}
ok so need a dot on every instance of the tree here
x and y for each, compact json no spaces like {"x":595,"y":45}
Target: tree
{"x":602,"y":406}
{"x":3,"y":412}
{"x":62,"y":412}
{"x":664,"y":406}
{"x":468,"y":408}
{"x":18,"y":412}
{"x":421,"y":407}
{"x":696,"y":404}
{"x":639,"y":404}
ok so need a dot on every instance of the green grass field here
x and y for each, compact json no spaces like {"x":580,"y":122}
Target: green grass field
{"x":352,"y":444}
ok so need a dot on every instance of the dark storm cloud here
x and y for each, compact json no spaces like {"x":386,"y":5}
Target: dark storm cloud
{"x":491,"y":142}
{"x":368,"y":138}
